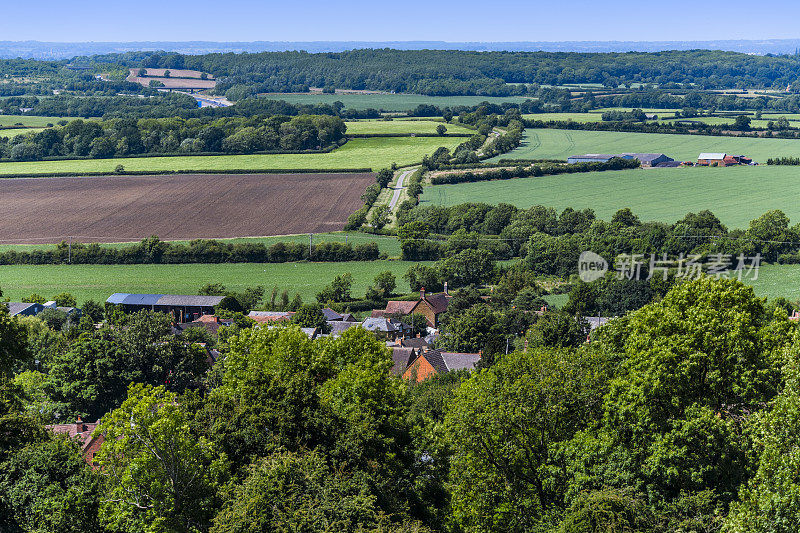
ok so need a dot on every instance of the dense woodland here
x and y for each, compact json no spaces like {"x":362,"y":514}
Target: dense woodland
{"x":125,"y":137}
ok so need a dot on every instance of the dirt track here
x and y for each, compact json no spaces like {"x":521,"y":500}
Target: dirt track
{"x":125,"y":208}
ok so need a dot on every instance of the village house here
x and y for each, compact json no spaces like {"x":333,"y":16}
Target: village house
{"x":183,"y":308}
{"x":431,"y":306}
{"x":82,"y":432}
{"x":435,"y":362}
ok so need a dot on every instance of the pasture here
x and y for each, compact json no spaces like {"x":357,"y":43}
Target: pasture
{"x":560,"y":144}
{"x":402,"y":127}
{"x":126,"y":208}
{"x":375,"y":153}
{"x":31,"y":121}
{"x":98,"y":282}
{"x":13,"y":132}
{"x":736,"y":195}
{"x":389,"y":102}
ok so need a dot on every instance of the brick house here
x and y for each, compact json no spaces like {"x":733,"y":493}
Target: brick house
{"x":429,"y":305}
{"x":435,"y":362}
{"x":82,"y":432}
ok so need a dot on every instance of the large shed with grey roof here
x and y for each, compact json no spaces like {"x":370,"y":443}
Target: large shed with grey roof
{"x":184,"y":308}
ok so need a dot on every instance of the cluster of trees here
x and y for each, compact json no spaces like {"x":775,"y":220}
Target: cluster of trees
{"x":286,"y":433}
{"x":637,"y":115}
{"x":792,"y":161}
{"x":552,"y":243}
{"x":127,"y":136}
{"x":153,"y":250}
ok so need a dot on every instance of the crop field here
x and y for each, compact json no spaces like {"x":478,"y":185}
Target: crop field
{"x":98,"y":282}
{"x":375,"y":153}
{"x":125,"y":208}
{"x":560,"y":144}
{"x":735,"y":194}
{"x":402,"y":126}
{"x":389,"y":102}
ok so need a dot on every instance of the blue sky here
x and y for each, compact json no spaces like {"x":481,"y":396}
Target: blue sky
{"x":465,"y":20}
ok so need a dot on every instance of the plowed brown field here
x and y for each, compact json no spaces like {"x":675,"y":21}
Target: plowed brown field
{"x":126,"y":208}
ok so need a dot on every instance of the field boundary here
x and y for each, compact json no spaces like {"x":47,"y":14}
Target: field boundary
{"x":173,"y":172}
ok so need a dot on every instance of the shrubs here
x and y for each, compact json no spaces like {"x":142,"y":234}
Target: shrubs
{"x":152,"y":250}
{"x":544,"y":169}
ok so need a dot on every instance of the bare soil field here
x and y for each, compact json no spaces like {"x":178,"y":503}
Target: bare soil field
{"x":187,"y":206}
{"x":179,"y":79}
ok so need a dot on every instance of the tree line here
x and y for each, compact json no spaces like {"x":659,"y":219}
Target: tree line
{"x":155,"y":251}
{"x":124,"y":137}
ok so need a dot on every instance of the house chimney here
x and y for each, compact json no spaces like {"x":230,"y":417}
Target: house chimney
{"x":422,"y":293}
{"x":445,"y":289}
{"x":79,"y":425}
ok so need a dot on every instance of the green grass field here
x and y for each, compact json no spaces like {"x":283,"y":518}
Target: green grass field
{"x":31,"y":121}
{"x":576,"y":117}
{"x":402,"y":126}
{"x":98,"y":282}
{"x":560,"y":144}
{"x":390,"y":102}
{"x":386,"y":244}
{"x":735,"y":194}
{"x":17,"y":131}
{"x":372,"y":153}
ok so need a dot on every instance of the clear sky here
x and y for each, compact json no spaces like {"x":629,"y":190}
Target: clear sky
{"x":404,"y":20}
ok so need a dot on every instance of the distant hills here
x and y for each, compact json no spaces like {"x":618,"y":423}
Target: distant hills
{"x":53,"y":50}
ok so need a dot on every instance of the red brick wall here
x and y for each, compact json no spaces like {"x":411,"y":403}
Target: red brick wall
{"x":423,"y":368}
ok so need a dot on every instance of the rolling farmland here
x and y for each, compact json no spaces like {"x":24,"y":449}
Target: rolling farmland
{"x":125,"y":208}
{"x":98,"y":282}
{"x":375,"y":153}
{"x":735,"y":194}
{"x":560,"y":144}
{"x":402,"y":126}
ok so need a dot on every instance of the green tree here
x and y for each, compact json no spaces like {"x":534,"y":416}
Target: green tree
{"x":692,"y":364}
{"x":770,"y":500}
{"x":741,"y":123}
{"x":385,"y":282}
{"x":558,"y":330}
{"x":48,"y":487}
{"x":384,"y":177}
{"x":310,"y":316}
{"x":467,"y":267}
{"x":338,"y":290}
{"x":379,"y":217}
{"x":35,"y":299}
{"x":159,"y":477}
{"x":65,"y":299}
{"x":441,"y":129}
{"x":507,"y":428}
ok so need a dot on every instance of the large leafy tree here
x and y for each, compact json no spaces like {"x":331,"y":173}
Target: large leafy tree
{"x":771,"y":499}
{"x":159,"y":476}
{"x":508,"y":427}
{"x":691,"y":366}
{"x":46,"y":486}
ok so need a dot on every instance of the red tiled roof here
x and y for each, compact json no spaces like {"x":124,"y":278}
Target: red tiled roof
{"x":79,"y":430}
{"x":396,"y":307}
{"x":438,"y":302}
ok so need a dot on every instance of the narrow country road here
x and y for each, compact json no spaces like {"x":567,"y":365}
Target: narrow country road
{"x":398,"y":189}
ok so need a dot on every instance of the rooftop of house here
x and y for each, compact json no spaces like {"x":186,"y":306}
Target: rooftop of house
{"x":402,"y":357}
{"x":263,"y":317}
{"x":444,"y":362}
{"x":330,"y":314}
{"x":80,"y":430}
{"x":382,"y":324}
{"x":339,"y":326}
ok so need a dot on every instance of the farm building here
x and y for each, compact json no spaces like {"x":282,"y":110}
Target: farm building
{"x":428,"y":305}
{"x":722,"y":160}
{"x":647,"y":160}
{"x":183,"y":308}
{"x":24,"y":308}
